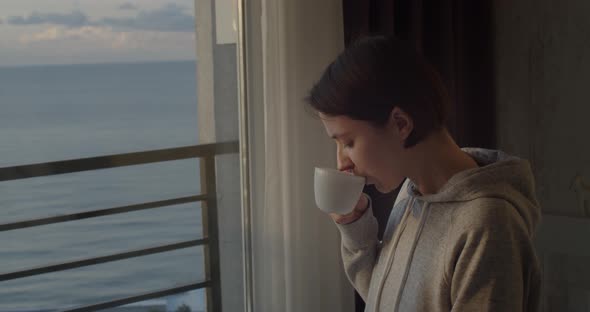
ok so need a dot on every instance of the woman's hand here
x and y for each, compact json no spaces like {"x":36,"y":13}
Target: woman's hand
{"x":361,"y":206}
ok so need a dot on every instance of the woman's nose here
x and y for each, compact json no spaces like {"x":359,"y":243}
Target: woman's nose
{"x":343,"y":161}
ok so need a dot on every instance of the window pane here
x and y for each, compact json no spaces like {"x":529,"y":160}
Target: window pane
{"x":91,"y":78}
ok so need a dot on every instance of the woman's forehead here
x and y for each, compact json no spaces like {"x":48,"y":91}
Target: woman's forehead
{"x":338,"y":126}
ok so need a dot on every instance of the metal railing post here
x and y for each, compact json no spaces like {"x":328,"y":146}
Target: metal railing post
{"x":211,"y":231}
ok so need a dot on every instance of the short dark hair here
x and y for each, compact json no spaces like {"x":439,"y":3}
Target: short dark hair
{"x":374,"y":75}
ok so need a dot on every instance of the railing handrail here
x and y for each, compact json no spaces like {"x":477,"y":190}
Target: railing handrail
{"x":116,"y":160}
{"x":99,"y":213}
{"x":101,"y":259}
{"x":140,"y":298}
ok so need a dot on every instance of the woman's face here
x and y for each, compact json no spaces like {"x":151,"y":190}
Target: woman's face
{"x":374,"y":152}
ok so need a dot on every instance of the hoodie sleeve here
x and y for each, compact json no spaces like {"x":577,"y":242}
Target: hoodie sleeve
{"x":492,"y":262}
{"x":359,"y":245}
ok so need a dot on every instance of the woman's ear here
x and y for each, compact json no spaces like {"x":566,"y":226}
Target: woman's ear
{"x":401,"y":123}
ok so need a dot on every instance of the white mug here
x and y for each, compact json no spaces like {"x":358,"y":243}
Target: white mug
{"x":337,"y":191}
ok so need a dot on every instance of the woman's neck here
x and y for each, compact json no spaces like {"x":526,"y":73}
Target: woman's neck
{"x":436,"y":160}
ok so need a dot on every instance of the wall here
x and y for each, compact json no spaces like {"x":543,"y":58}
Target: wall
{"x":543,"y":72}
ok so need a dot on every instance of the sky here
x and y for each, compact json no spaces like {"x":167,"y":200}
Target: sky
{"x":95,"y":31}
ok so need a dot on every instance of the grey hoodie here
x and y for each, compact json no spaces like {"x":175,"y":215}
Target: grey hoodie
{"x":466,"y":248}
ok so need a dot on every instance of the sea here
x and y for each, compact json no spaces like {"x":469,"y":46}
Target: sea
{"x":61,"y":112}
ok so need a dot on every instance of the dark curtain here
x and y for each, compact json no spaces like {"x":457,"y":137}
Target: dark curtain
{"x":456,"y":37}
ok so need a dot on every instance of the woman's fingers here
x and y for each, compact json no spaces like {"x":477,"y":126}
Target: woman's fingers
{"x":356,"y":213}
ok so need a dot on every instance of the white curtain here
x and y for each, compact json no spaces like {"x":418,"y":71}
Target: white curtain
{"x":295,"y":248}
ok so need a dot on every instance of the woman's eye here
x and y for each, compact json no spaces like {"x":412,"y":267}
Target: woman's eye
{"x":348,"y":145}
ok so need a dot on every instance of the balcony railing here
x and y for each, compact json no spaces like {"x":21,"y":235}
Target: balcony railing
{"x":210,"y":239}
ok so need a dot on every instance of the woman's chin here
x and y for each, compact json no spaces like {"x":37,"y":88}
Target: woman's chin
{"x":381,"y":189}
{"x":386,"y":189}
{"x":375,"y":184}
{"x":380,"y":186}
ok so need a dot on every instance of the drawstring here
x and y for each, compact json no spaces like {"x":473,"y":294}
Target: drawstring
{"x":392,"y":252}
{"x":397,"y":237}
{"x":414,"y":244}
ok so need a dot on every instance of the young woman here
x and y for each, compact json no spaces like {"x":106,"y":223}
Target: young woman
{"x":459,"y":237}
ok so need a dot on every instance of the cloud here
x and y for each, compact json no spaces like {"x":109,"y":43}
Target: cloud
{"x":73,"y":19}
{"x":128,"y":6}
{"x":45,"y":35}
{"x":101,"y":37}
{"x":55,"y":33}
{"x":169,"y":18}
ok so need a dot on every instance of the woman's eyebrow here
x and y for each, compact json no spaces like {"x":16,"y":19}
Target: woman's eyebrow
{"x":339,"y":135}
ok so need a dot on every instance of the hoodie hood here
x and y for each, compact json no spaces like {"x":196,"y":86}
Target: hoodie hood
{"x":499,"y":175}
